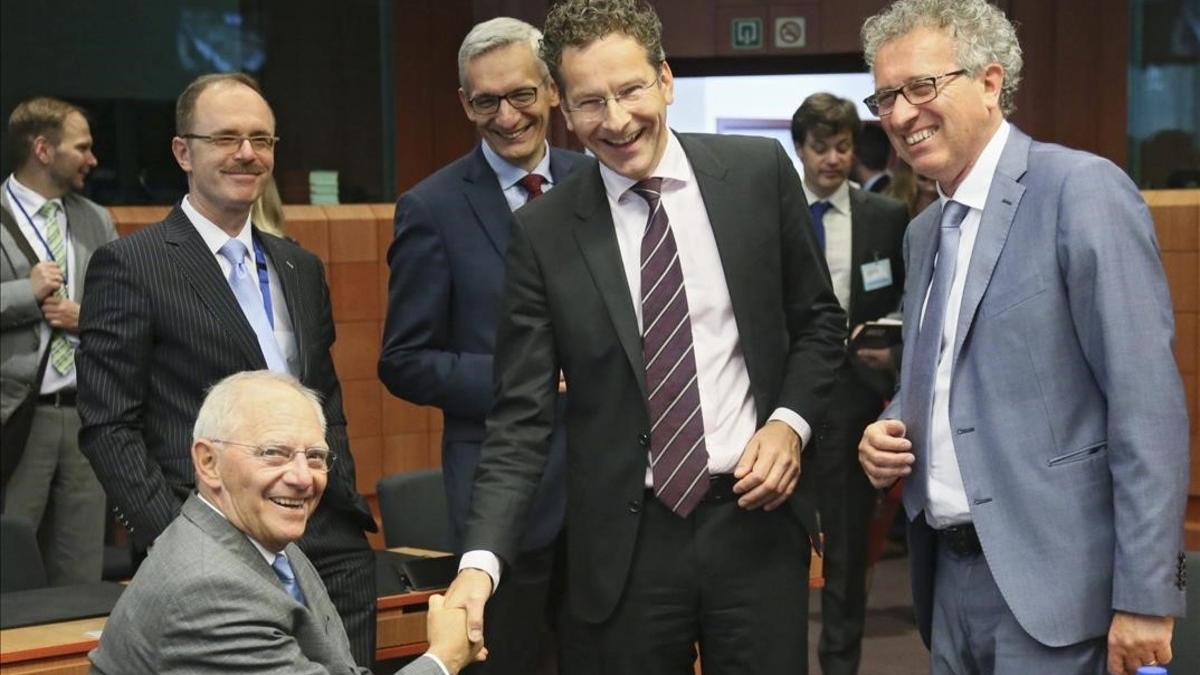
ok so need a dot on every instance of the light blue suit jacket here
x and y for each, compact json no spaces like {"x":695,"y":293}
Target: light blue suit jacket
{"x":1067,"y":409}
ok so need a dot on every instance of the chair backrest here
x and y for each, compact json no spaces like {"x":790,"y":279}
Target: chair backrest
{"x":20,"y":560}
{"x":413,"y":506}
{"x":1185,"y":647}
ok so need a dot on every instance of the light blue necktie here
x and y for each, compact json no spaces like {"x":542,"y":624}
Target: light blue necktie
{"x":918,"y":396}
{"x":818,"y":209}
{"x":243,"y":286}
{"x":283,"y":570}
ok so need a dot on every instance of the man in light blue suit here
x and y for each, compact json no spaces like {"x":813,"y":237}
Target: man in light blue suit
{"x":1040,"y":419}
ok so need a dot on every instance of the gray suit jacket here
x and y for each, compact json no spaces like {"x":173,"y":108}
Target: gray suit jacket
{"x":1068,"y":412}
{"x":90,"y":227}
{"x":205,"y":601}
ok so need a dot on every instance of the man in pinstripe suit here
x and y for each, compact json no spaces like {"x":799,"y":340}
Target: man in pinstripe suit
{"x":162,"y":323}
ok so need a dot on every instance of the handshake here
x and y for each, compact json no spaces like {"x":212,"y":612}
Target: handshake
{"x":448,"y":640}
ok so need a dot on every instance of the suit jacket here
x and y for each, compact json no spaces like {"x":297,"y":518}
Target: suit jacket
{"x":567,"y":305}
{"x":20,"y":314}
{"x":161,"y":325}
{"x":1070,"y":426}
{"x":205,"y":601}
{"x":447,"y":272}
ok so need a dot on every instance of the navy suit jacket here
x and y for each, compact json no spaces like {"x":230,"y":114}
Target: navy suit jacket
{"x":447,"y":273}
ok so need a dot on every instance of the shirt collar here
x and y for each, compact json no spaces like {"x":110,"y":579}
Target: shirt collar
{"x":973,"y":191}
{"x":31,"y":200}
{"x":673,"y":167}
{"x":508,"y":173}
{"x":839,"y":199}
{"x":266,"y":554}
{"x":214,"y":237}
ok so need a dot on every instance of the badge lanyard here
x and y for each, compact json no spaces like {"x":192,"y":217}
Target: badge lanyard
{"x":264,"y":281}
{"x":45,"y":244}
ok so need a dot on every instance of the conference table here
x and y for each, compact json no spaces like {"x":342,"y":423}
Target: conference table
{"x":61,"y":648}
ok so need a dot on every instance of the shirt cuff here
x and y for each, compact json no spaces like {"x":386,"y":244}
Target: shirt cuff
{"x":482,"y":560}
{"x":796,"y":422}
{"x":430,"y":655}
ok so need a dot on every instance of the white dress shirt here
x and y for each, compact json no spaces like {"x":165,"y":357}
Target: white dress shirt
{"x":838,"y":238}
{"x":29,"y":200}
{"x":947,"y":495}
{"x":726,"y":401}
{"x":510,"y":175}
{"x":214,"y":237}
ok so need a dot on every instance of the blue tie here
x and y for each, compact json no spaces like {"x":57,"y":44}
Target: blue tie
{"x":283,"y":570}
{"x":251,"y":303}
{"x":818,"y":209}
{"x":918,"y":393}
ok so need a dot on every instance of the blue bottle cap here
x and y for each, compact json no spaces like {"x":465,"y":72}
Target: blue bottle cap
{"x":1152,"y":670}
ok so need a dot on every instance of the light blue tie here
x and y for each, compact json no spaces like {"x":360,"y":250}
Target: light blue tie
{"x":251,"y":303}
{"x":283,"y":570}
{"x":918,"y":393}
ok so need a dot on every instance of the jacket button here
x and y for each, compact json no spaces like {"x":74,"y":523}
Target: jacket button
{"x":644,"y":440}
{"x":635,"y":506}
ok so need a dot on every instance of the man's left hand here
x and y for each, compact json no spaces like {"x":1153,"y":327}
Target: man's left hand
{"x":1136,"y":640}
{"x":769,"y":468}
{"x":61,"y":312}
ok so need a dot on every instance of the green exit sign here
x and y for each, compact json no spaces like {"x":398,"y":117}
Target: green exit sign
{"x":747,"y":33}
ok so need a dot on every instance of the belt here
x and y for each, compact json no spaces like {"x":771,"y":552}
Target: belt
{"x":58,"y":399}
{"x":961,"y":539}
{"x":720,"y":489}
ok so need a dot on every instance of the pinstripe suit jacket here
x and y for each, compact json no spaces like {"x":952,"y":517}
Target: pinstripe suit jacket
{"x":159,"y":326}
{"x":205,"y":601}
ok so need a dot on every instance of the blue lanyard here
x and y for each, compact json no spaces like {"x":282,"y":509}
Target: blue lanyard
{"x":264,"y":280}
{"x":66,"y":231}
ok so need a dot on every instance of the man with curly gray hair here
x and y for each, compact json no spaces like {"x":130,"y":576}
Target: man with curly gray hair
{"x":1040,"y":424}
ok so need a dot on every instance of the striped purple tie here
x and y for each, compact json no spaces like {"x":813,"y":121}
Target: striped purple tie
{"x":678,"y":458}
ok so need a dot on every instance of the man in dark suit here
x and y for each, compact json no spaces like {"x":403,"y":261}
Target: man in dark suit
{"x":447,"y":272}
{"x":872,"y":152}
{"x":693,"y":355}
{"x":862,"y":235}
{"x":48,"y":238}
{"x":183,"y":303}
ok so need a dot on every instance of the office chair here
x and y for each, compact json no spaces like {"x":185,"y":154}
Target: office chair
{"x":20,"y":559}
{"x":413,"y":506}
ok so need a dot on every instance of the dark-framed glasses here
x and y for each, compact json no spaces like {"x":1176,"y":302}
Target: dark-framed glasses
{"x":489,"y":104}
{"x":916,"y":92}
{"x":279,"y":456}
{"x":596,"y":107}
{"x":231,"y":142}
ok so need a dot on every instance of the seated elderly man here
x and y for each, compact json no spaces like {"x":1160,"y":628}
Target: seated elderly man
{"x":225,"y":589}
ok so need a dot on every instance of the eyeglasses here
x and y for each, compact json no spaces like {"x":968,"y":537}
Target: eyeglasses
{"x":231,"y":143}
{"x":278,"y":456}
{"x":489,"y":104}
{"x":916,"y":92}
{"x":596,"y":107}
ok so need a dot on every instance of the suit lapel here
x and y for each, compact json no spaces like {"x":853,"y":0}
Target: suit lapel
{"x":921,"y":242}
{"x":597,"y":239}
{"x":289,"y":278}
{"x":486,"y":198}
{"x":229,"y":538}
{"x":189,"y":255}
{"x":1003,"y":198}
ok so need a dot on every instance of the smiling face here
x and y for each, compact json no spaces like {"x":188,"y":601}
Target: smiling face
{"x":943,"y":137}
{"x":270,"y":504}
{"x":517,"y":135}
{"x":826,"y":161}
{"x":630,"y":141}
{"x":223,"y":185}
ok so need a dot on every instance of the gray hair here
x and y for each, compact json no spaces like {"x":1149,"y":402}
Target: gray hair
{"x":982,"y":35}
{"x":226,"y":403}
{"x":493,"y":34}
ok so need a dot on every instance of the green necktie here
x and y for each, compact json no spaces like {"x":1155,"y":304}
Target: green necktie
{"x":62,"y":355}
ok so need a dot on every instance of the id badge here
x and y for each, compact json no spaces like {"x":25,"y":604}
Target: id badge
{"x":876,"y":275}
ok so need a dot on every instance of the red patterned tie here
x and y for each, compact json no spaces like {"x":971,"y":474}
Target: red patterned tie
{"x":678,"y":458}
{"x":533,"y":186}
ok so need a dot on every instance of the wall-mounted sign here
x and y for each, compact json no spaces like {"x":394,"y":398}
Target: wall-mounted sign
{"x":747,"y":33}
{"x":790,"y":32}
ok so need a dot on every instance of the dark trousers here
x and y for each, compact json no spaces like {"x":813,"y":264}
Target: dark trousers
{"x":732,"y":580}
{"x":337,"y":547}
{"x":518,"y":620}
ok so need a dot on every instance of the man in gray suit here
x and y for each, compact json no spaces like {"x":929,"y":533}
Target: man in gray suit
{"x":1040,"y":420}
{"x":48,"y":237}
{"x":226,"y":589}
